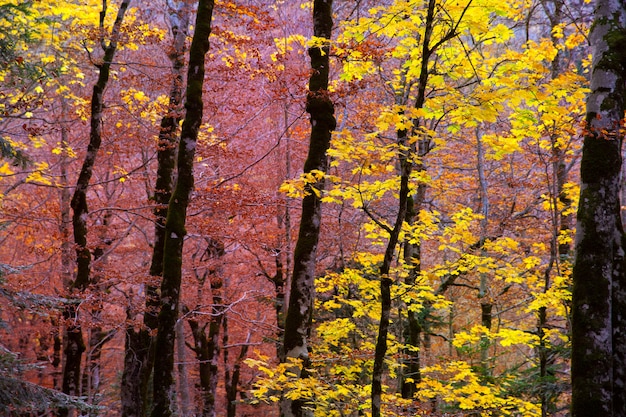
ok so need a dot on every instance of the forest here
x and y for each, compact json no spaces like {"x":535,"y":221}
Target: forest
{"x":312,"y":208}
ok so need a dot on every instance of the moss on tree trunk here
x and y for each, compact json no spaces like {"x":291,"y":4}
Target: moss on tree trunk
{"x":598,"y":299}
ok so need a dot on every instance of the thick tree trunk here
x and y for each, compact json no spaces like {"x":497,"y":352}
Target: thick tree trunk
{"x":320,"y":107}
{"x":139,"y":345}
{"x":176,"y":216}
{"x":75,"y":345}
{"x":598,"y":304}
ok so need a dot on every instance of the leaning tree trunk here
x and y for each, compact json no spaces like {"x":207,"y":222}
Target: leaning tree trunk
{"x":598,"y":299}
{"x":74,"y":343}
{"x":164,"y":386}
{"x":139,"y":345}
{"x":320,"y":107}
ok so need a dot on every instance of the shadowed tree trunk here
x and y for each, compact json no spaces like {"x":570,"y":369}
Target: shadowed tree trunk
{"x":164,"y":387}
{"x":139,"y":345}
{"x":598,"y":298}
{"x":74,"y":343}
{"x":411,"y":374}
{"x":232,"y":379}
{"x":321,"y":110}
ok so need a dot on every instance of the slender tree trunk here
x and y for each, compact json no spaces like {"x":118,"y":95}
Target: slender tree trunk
{"x":412,"y":329}
{"x":598,"y":298}
{"x":299,"y":313}
{"x":411,"y":375}
{"x":183,"y":380}
{"x":560,"y":224}
{"x":406,"y":167}
{"x":164,"y":387}
{"x":206,"y":346}
{"x":486,"y":304}
{"x":139,"y":345}
{"x":232,"y":380}
{"x":75,"y":345}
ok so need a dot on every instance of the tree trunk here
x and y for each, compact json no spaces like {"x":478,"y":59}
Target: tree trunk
{"x":320,"y":107}
{"x":206,"y":346}
{"x":232,"y":380}
{"x":75,"y":345}
{"x":486,"y":304}
{"x":561,"y":223}
{"x":183,"y":381}
{"x":406,"y":167}
{"x":598,"y":304}
{"x":139,"y":345}
{"x":176,"y":216}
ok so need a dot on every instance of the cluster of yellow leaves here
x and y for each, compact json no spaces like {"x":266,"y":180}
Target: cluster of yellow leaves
{"x":457,"y":384}
{"x":304,"y":185}
{"x":327,"y":396}
{"x":138,"y":103}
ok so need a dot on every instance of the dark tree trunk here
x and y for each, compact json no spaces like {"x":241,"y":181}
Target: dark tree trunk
{"x":380,"y":352}
{"x":411,"y":375}
{"x":206,"y":347}
{"x":320,"y":107}
{"x":406,"y":167}
{"x":598,"y":305}
{"x":164,"y":387}
{"x":232,"y":380}
{"x":75,"y":345}
{"x":139,"y":345}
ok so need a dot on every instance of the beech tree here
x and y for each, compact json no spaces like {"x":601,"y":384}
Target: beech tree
{"x":139,"y":349}
{"x":319,"y":105}
{"x":599,"y":292}
{"x":74,"y":343}
{"x":175,"y":232}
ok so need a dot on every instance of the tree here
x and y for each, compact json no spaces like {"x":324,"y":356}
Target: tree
{"x":74,"y":343}
{"x":177,"y":213}
{"x":139,"y":349}
{"x":298,"y":320}
{"x":599,"y":291}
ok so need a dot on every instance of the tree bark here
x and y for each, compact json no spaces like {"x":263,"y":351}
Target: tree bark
{"x":320,"y":107}
{"x":176,"y":216}
{"x":598,"y":298}
{"x":139,"y":345}
{"x":75,"y":345}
